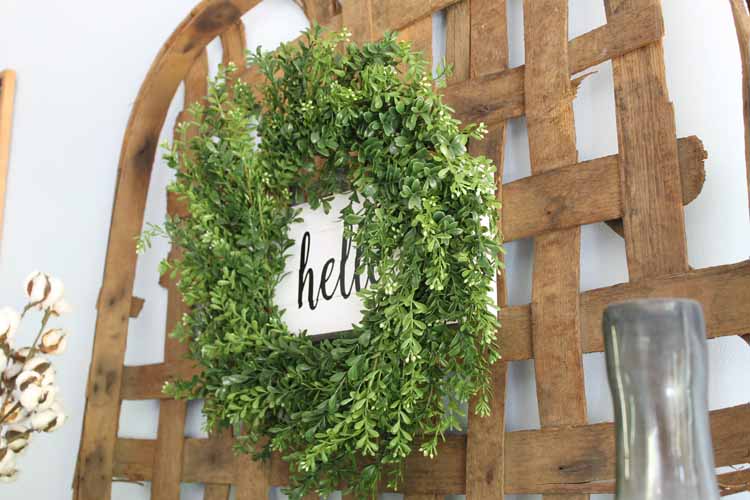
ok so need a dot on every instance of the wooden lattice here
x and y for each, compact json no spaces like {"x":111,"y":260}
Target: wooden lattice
{"x":640,"y":192}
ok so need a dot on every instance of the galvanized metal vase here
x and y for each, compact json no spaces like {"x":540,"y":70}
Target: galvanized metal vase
{"x":657,"y":368}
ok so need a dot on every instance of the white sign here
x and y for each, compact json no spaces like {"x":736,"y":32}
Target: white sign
{"x":319,"y":289}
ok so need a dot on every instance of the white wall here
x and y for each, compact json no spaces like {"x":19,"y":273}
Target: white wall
{"x":80,"y":64}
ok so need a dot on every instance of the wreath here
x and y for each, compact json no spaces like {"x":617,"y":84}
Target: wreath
{"x":336,"y":118}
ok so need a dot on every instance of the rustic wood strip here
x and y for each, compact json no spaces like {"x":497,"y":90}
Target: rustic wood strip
{"x":723,"y":291}
{"x":175,"y":206}
{"x":136,"y":306}
{"x":500,"y":96}
{"x":395,"y":15}
{"x":219,"y":491}
{"x":742,"y":26}
{"x":172,"y":413}
{"x":583,"y":193}
{"x":556,"y":337}
{"x":92,"y":480}
{"x":575,"y":195}
{"x":7,"y":96}
{"x":147,"y":381}
{"x":489,"y":37}
{"x":321,"y":11}
{"x":357,"y":18}
{"x":252,"y":478}
{"x":734,"y":482}
{"x":371,"y":24}
{"x":233,"y":44}
{"x":420,"y":36}
{"x":480,"y":28}
{"x":654,"y":221}
{"x":564,"y":460}
{"x":689,"y":152}
{"x":216,"y":492}
{"x":458,"y":41}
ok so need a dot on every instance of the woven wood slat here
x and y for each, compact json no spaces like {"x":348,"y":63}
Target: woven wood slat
{"x":555,"y":308}
{"x":93,"y":477}
{"x":724,"y":292}
{"x":655,"y":241}
{"x":233,"y":44}
{"x":472,"y":57}
{"x":171,"y":429}
{"x":562,"y":194}
{"x":500,"y":96}
{"x":563,"y":460}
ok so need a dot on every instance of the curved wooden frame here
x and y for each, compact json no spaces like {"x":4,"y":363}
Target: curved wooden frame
{"x":650,"y":179}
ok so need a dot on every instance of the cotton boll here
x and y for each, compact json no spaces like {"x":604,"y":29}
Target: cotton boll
{"x":3,"y":360}
{"x":61,"y":307}
{"x":49,"y":376}
{"x":27,"y":378}
{"x":11,"y":371}
{"x":17,"y":437}
{"x":54,"y":341}
{"x":38,"y":364}
{"x":47,"y":420}
{"x":21,"y":355}
{"x":9,"y":321}
{"x":56,"y":291}
{"x":9,"y":477}
{"x":12,"y":411}
{"x":29,"y":397}
{"x":28,"y":389}
{"x":47,"y":398}
{"x":36,"y":287}
{"x":7,"y":458}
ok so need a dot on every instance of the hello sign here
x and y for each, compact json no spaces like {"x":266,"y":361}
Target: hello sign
{"x":319,"y":289}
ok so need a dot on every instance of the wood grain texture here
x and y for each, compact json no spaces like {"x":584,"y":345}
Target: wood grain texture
{"x":219,"y":491}
{"x":394,"y":15}
{"x":556,"y":341}
{"x":252,"y":478}
{"x":356,"y":16}
{"x":233,"y":45}
{"x":93,"y":476}
{"x":147,"y":381}
{"x":734,"y":482}
{"x":420,"y":36}
{"x":500,"y":96}
{"x":584,"y":193}
{"x":568,"y":460}
{"x":321,"y":11}
{"x":564,"y":460}
{"x":458,"y":41}
{"x":7,"y":96}
{"x":723,"y":291}
{"x":216,"y":492}
{"x":477,"y":44}
{"x":171,"y":430}
{"x":654,"y":223}
{"x":136,"y":306}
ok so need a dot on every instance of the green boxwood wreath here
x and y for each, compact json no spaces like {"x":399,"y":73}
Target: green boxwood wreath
{"x":336,"y":117}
